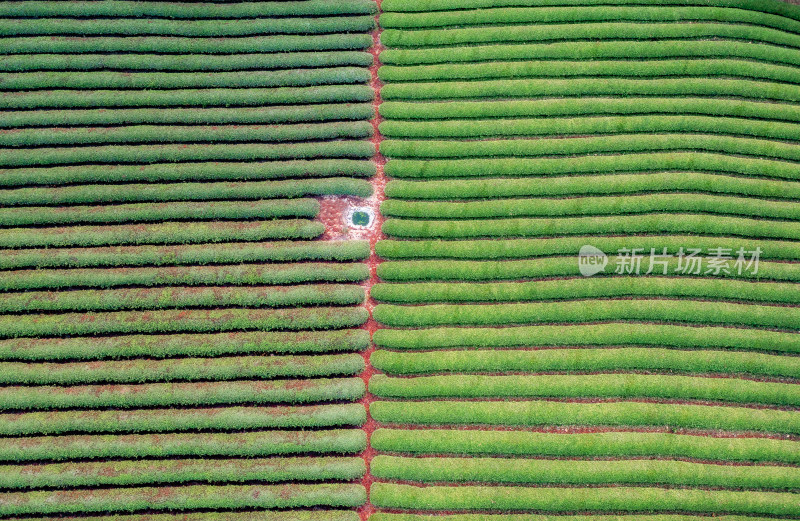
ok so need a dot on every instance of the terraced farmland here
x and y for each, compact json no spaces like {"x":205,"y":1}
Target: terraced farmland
{"x":178,"y":333}
{"x":657,"y":378}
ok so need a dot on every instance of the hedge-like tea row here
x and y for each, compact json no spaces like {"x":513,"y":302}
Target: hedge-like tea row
{"x":557,"y":499}
{"x":183,"y":444}
{"x":189,"y":254}
{"x":203,"y":28}
{"x":161,"y":62}
{"x":545,"y":14}
{"x":695,"y":161}
{"x":160,"y":233}
{"x":777,"y":8}
{"x":585,"y":360}
{"x":649,"y":223}
{"x":211,"y":171}
{"x":584,"y":106}
{"x":180,"y":394}
{"x":608,"y":205}
{"x":137,"y":134}
{"x":387,"y":516}
{"x":148,"y":212}
{"x":538,"y":247}
{"x":632,"y":185}
{"x":185,"y":191}
{"x":625,"y":386}
{"x":180,"y":369}
{"x":611,"y":287}
{"x":165,"y":420}
{"x":531,"y":471}
{"x":589,"y":125}
{"x":183,"y":297}
{"x":428,"y":270}
{"x":236,"y":275}
{"x":602,"y":49}
{"x":184,"y":152}
{"x":591,"y":445}
{"x":623,"y":143}
{"x":180,"y":321}
{"x":169,"y":346}
{"x":183,"y":45}
{"x":183,"y":498}
{"x":327,"y":514}
{"x":611,"y":334}
{"x":182,"y":80}
{"x":212,"y":115}
{"x":574,"y":87}
{"x":706,"y":68}
{"x":62,"y":98}
{"x":625,"y":413}
{"x":648,"y":310}
{"x":591,"y":30}
{"x":45,"y":9}
{"x":147,"y":472}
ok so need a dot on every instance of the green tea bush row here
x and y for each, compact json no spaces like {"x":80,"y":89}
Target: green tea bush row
{"x":166,"y":27}
{"x":147,"y":472}
{"x":777,"y":8}
{"x":610,"y":334}
{"x":185,"y":45}
{"x":586,"y":13}
{"x":165,"y":420}
{"x":590,"y":145}
{"x":214,"y":115}
{"x":241,"y":97}
{"x":182,"y":297}
{"x":180,"y":369}
{"x":573,"y":126}
{"x":386,"y":516}
{"x":709,"y":67}
{"x":157,"y":153}
{"x":603,"y":49}
{"x":180,"y":394}
{"x":183,"y":444}
{"x":610,"y":184}
{"x":327,"y":514}
{"x":590,"y":31}
{"x":607,"y":205}
{"x":577,"y":360}
{"x":434,"y":270}
{"x":180,"y":321}
{"x":168,"y":346}
{"x":654,"y":223}
{"x":160,"y":233}
{"x":191,"y":62}
{"x":184,"y":191}
{"x":525,"y":248}
{"x":209,"y":171}
{"x":557,"y":499}
{"x":190,"y":134}
{"x":652,"y":310}
{"x":166,"y":10}
{"x":237,"y":274}
{"x":627,"y":386}
{"x":694,"y":161}
{"x":148,"y":212}
{"x":628,"y":414}
{"x":192,"y":254}
{"x":180,"y":498}
{"x":578,"y":87}
{"x":589,"y":106}
{"x":605,"y":287}
{"x":530,"y":471}
{"x":589,"y":445}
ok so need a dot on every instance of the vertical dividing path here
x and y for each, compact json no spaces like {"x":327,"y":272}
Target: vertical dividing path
{"x":178,"y":332}
{"x":659,"y":373}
